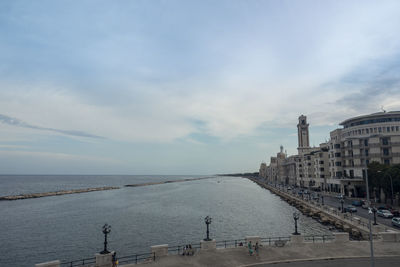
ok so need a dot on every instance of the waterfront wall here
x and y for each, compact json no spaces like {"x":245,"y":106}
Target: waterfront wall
{"x":355,"y":226}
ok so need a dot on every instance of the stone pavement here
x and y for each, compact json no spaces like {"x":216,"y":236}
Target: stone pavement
{"x":273,"y":255}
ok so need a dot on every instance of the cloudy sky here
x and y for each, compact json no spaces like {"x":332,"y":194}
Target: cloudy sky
{"x":186,"y":86}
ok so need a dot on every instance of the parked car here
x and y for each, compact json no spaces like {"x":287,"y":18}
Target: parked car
{"x":396,"y":221}
{"x":357,"y":203}
{"x":384,"y":213}
{"x":364,"y":205}
{"x":340,"y":196}
{"x":396,"y":213}
{"x":350,"y":208}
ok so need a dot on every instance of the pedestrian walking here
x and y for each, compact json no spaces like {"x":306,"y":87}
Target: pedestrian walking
{"x":250,"y":246}
{"x":114,"y":260}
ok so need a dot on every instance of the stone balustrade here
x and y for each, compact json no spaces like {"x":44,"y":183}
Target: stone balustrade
{"x":105,"y":260}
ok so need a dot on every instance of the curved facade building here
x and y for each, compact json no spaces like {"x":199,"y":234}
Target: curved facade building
{"x":363,"y":139}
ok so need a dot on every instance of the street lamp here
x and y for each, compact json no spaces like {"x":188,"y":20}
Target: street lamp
{"x":391,"y":185}
{"x":207,"y":220}
{"x":369,"y":219}
{"x":106,"y":231}
{"x":374,"y":210}
{"x":295,"y":217}
{"x":341,"y":202}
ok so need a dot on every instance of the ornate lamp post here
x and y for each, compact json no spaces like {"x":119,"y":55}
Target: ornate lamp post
{"x":341,"y":202}
{"x":374,"y":210}
{"x":106,"y":231}
{"x":295,"y":217}
{"x":207,"y":220}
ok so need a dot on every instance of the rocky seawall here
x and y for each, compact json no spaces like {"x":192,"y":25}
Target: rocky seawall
{"x":57,"y":193}
{"x":170,"y":181}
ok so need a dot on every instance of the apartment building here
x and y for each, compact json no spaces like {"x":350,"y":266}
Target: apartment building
{"x":339,"y":165}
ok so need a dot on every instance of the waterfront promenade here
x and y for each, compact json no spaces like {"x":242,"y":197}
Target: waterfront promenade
{"x":295,"y":253}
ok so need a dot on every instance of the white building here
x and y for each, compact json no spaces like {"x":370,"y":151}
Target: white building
{"x":340,"y":164}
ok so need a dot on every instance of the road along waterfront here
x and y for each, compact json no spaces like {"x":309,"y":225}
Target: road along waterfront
{"x":355,"y":226}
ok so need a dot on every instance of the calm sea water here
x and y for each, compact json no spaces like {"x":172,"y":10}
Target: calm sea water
{"x":68,"y":227}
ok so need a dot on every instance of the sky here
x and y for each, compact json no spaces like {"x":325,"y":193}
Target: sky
{"x":185,"y":86}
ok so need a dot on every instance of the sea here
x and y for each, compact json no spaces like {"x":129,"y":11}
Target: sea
{"x":69,"y":227}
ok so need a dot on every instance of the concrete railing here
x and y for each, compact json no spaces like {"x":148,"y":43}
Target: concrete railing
{"x":48,"y":264}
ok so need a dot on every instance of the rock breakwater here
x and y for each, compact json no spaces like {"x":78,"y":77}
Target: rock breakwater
{"x":57,"y":193}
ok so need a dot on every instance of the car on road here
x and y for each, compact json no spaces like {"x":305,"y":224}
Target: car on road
{"x":350,"y":208}
{"x":396,"y":221}
{"x":396,"y":213}
{"x":384,"y":213}
{"x":340,"y":196}
{"x":357,"y":203}
{"x":364,"y":205}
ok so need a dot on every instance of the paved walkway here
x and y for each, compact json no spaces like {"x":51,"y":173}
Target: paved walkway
{"x":350,"y":262}
{"x":273,"y":255}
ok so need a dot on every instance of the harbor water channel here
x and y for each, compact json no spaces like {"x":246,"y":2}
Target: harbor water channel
{"x":68,"y":227}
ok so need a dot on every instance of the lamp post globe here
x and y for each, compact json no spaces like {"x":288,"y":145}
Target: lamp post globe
{"x":207,"y":220}
{"x":106,"y":231}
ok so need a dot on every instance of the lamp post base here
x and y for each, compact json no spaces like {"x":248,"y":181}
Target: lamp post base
{"x":208,"y":245}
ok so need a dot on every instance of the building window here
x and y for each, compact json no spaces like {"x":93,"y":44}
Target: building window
{"x":365,"y":142}
{"x":379,"y":129}
{"x":385,"y":141}
{"x":388,"y":129}
{"x":351,"y":173}
{"x":397,"y":128}
{"x":337,"y":145}
{"x":338,"y":163}
{"x":386,"y":162}
{"x":339,"y":174}
{"x":337,"y":155}
{"x":366,"y":152}
{"x":385,"y":151}
{"x":350,"y":143}
{"x":367,"y":131}
{"x":367,"y":161}
{"x":321,"y":162}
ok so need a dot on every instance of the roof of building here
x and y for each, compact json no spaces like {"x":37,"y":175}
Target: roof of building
{"x":371,"y":116}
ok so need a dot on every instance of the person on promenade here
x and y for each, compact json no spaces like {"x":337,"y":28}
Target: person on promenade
{"x":114,"y":259}
{"x":256,"y":248}
{"x":250,"y":246}
{"x":190,"y":252}
{"x":185,"y":250}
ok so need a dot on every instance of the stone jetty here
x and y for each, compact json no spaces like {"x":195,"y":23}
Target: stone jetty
{"x":169,"y":181}
{"x":57,"y":193}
